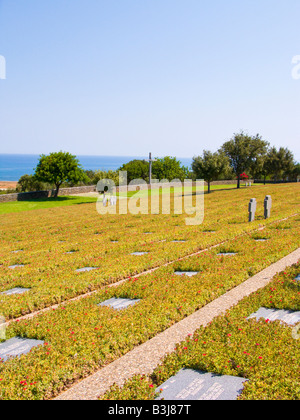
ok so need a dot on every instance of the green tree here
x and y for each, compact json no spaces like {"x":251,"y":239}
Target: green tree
{"x":136,"y":169}
{"x":169,"y":168}
{"x":29,"y":183}
{"x":245,"y":153}
{"x":210,"y":166}
{"x":280,"y":163}
{"x":58,"y":168}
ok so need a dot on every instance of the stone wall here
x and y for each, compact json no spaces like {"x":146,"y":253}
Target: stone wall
{"x":45,"y":194}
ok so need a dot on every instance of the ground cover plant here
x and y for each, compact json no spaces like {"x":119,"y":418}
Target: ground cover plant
{"x":264,"y":352}
{"x":81,"y":336}
{"x":51,"y":244}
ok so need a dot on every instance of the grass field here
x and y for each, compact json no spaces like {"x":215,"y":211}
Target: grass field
{"x":50,"y":244}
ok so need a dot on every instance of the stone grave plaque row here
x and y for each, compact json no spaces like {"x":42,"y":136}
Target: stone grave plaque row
{"x":186,"y":273}
{"x":286,"y":316}
{"x":139,"y":253}
{"x":17,"y":346}
{"x":15,"y":291}
{"x":84,"y":269}
{"x":192,"y":385}
{"x":119,"y":303}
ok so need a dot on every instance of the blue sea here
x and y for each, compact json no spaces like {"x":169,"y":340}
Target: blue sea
{"x":12,"y":167}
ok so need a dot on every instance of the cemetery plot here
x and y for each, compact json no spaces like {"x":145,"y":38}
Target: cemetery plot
{"x":192,"y":385}
{"x":16,"y":347}
{"x":263,"y":356}
{"x":51,"y":272}
{"x":119,"y":303}
{"x":92,"y":337}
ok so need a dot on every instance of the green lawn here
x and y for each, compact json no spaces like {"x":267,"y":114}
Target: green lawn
{"x":43,"y":203}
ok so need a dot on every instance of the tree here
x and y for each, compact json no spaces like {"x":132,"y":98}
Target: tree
{"x":210,"y":166}
{"x":169,"y":168}
{"x":245,"y":153}
{"x":29,"y":183}
{"x":280,"y":163}
{"x":58,"y":168}
{"x":136,"y":169}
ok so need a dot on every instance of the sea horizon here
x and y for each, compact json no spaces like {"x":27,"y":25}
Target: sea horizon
{"x":15,"y":165}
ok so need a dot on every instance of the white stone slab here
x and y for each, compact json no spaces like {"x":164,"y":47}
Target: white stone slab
{"x":283,"y":315}
{"x":186,"y":273}
{"x":17,"y":346}
{"x":84,"y":269}
{"x":192,"y":385}
{"x":15,"y":291}
{"x":227,"y":254}
{"x":119,"y":303}
{"x":16,"y":266}
{"x":139,"y":253}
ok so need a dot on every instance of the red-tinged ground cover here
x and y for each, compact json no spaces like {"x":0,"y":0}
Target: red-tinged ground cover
{"x":80,"y":336}
{"x":54,"y":243}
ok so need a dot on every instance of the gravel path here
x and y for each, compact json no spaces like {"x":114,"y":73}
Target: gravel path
{"x":146,"y":357}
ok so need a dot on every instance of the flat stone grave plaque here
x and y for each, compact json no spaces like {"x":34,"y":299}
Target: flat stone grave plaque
{"x":283,"y":315}
{"x":114,"y":242}
{"x":186,"y":273}
{"x":119,"y":303}
{"x":82,"y":270}
{"x":180,"y":241}
{"x":17,"y":346}
{"x":15,"y":291}
{"x":261,"y":239}
{"x":16,"y":266}
{"x":226,"y":254}
{"x":191,"y":385}
{"x":139,"y":253}
{"x":17,"y":251}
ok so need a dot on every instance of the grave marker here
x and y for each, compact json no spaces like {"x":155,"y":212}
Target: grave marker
{"x":186,"y":273}
{"x":252,"y":209}
{"x":16,"y":266}
{"x":82,"y":270}
{"x":15,"y":291}
{"x":17,"y":346}
{"x":139,"y":253}
{"x":191,"y":385}
{"x":267,"y":206}
{"x":283,"y":315}
{"x":226,"y":254}
{"x":119,"y":303}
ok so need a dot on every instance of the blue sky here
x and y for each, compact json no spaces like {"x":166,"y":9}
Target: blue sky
{"x":126,"y":77}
